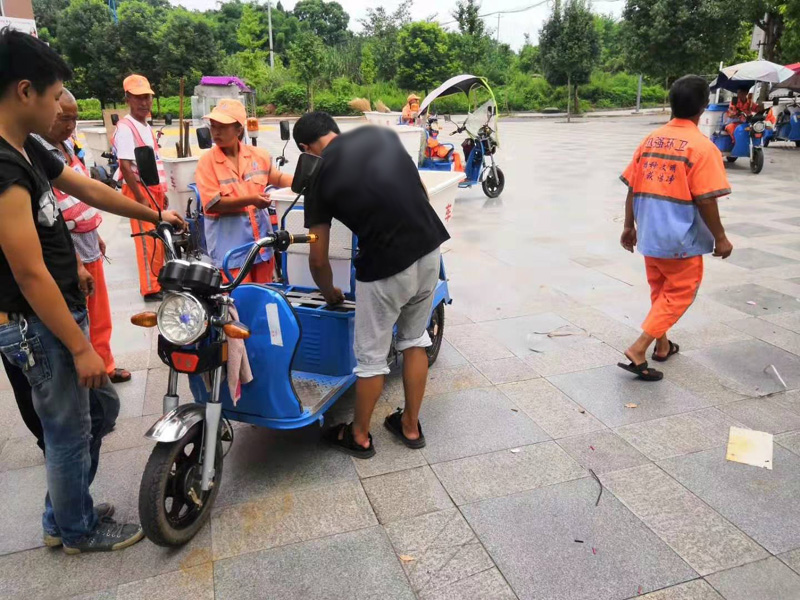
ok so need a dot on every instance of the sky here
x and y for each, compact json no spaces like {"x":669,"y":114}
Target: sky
{"x":512,"y":29}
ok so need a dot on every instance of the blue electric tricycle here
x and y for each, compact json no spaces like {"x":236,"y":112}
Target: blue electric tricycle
{"x":787,"y":125}
{"x":300,"y":351}
{"x":748,"y":141}
{"x":480,"y":166}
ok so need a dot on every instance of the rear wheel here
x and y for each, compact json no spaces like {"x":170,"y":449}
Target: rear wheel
{"x":172,"y":506}
{"x":731,"y":159}
{"x":494,"y":187}
{"x":757,"y":162}
{"x":436,"y":331}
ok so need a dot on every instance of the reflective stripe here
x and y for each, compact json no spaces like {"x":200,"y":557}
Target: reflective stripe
{"x":211,"y":203}
{"x":251,"y":174}
{"x":682,"y":159}
{"x":661,"y":197}
{"x":714,"y":194}
{"x":79,"y":217}
{"x":232,"y":180}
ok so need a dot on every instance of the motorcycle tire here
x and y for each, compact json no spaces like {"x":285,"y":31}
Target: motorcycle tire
{"x":162,"y":523}
{"x":757,"y":162}
{"x":493,"y":188}
{"x":797,"y":143}
{"x":731,"y":159}
{"x":436,"y":332}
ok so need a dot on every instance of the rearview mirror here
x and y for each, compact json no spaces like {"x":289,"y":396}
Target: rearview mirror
{"x":304,"y":172}
{"x":447,"y":118}
{"x":776,"y":101}
{"x":204,"y":138}
{"x":286,"y":133}
{"x":168,"y":119}
{"x":146,"y":162}
{"x":114,"y":119}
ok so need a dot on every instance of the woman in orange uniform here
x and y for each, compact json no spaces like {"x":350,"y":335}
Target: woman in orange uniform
{"x":232,"y":178}
{"x":742,"y":107}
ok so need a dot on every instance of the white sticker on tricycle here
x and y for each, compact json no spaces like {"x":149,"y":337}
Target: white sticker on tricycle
{"x":274,"y":321}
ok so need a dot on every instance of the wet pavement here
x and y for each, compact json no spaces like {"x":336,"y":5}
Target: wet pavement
{"x":525,"y":418}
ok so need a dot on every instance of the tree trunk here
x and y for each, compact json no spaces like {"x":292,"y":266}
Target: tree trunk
{"x":575,"y":100}
{"x":310,"y":93}
{"x":666,"y":93}
{"x":569,"y":97}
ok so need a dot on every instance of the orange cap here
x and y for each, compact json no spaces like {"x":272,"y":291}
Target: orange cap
{"x":137,"y":85}
{"x":228,"y":111}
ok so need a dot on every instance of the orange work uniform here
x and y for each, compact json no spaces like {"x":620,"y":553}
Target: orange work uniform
{"x":739,"y":111}
{"x":149,"y":252}
{"x":672,"y":170}
{"x":217,"y":179}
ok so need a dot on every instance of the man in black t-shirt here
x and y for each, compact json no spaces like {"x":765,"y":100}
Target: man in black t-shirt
{"x":43,"y":323}
{"x":367,"y":180}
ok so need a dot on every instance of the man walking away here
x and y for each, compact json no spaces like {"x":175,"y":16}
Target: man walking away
{"x":43,"y":322}
{"x":367,"y":181}
{"x":674,"y":180}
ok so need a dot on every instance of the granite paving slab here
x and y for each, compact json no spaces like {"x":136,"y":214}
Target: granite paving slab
{"x":701,"y":536}
{"x":767,"y":301}
{"x":770,"y":333}
{"x":474,"y":422}
{"x":539,"y":557}
{"x":360,"y":564}
{"x":766,"y":580}
{"x":760,"y":502}
{"x":602,"y":451}
{"x":605,"y":392}
{"x":22,"y":498}
{"x":747,"y":362}
{"x":391,"y":454}
{"x":750,"y":230}
{"x":752,"y":258}
{"x":763,"y":414}
{"x":691,"y":590}
{"x":589,"y":353}
{"x":506,"y":370}
{"x":488,"y":585}
{"x":406,"y":494}
{"x":196,"y":583}
{"x":506,"y":472}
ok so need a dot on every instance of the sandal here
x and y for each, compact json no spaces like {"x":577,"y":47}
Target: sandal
{"x":347,"y":444}
{"x":641,"y":371}
{"x":119,"y":376}
{"x":673,"y":349}
{"x":394,"y":424}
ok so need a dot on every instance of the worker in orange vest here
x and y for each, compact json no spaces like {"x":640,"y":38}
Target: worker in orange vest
{"x":741,"y":107}
{"x":672,"y":218}
{"x":411,"y":109}
{"x":232,"y":179}
{"x":83,"y":221}
{"x":133,"y":132}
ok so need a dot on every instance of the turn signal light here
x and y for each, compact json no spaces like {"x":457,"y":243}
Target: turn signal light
{"x":236,"y":330}
{"x":145,"y":319}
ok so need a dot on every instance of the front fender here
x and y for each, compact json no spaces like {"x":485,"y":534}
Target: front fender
{"x":176,"y":423}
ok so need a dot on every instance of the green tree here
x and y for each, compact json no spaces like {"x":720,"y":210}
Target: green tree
{"x":47,"y":12}
{"x":328,"y":20}
{"x":425,"y":58}
{"x":368,"y":70}
{"x":90,"y":41}
{"x":250,"y":34}
{"x":609,"y":31}
{"x":382,"y":29}
{"x":472,"y":45}
{"x":226,"y":21}
{"x":306,"y":55}
{"x":138,"y":22}
{"x":529,"y":58}
{"x":667,"y":39}
{"x":187,"y":48}
{"x":570,"y":46}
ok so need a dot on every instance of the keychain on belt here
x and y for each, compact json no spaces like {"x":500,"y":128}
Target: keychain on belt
{"x":25,"y":354}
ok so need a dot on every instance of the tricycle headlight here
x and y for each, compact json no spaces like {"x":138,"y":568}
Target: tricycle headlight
{"x":759,"y":126}
{"x":182,"y":319}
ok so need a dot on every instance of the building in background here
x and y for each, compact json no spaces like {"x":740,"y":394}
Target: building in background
{"x":17,"y":14}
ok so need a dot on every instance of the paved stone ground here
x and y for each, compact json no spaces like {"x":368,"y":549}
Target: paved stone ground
{"x":501,"y":504}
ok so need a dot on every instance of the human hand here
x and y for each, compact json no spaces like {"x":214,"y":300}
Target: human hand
{"x":334,"y":296}
{"x":174,"y":219}
{"x":85,"y":281}
{"x":262,"y":201}
{"x":102,"y":246}
{"x":90,"y":367}
{"x":723,"y":248}
{"x":628,"y":238}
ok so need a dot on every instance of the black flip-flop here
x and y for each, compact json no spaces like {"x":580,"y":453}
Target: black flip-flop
{"x":394,"y":424}
{"x":642,"y":371}
{"x":673,"y":349}
{"x":347,"y":444}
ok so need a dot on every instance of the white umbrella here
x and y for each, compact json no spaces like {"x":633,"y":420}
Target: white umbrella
{"x":757,"y":70}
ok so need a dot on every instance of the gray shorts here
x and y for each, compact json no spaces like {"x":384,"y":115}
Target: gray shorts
{"x":405,"y":299}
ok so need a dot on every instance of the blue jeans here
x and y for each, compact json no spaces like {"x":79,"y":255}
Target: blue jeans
{"x":74,"y":420}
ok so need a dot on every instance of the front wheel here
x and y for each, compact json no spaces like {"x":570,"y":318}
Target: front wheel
{"x":436,"y":331}
{"x":757,"y":162}
{"x":491,"y":187}
{"x":172,"y":505}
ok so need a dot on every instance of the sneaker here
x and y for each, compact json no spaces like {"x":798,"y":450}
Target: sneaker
{"x":103,"y":510}
{"x":107,"y":536}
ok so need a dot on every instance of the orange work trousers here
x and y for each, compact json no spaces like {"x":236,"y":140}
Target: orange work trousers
{"x":674,"y":283}
{"x":100,"y":315}
{"x":262,"y":272}
{"x":149,"y":252}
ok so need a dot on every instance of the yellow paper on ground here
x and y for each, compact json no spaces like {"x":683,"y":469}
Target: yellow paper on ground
{"x":750,"y":447}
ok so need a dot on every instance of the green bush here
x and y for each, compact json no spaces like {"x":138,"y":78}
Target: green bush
{"x":333,"y":104}
{"x":290,"y":97}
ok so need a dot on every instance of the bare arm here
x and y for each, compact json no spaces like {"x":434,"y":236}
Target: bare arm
{"x":320,"y":264}
{"x":103,"y":197}
{"x":628,"y":239}
{"x":21,"y":247}
{"x":709,"y":211}
{"x":280,"y":179}
{"x":232,"y":205}
{"x":133,"y":184}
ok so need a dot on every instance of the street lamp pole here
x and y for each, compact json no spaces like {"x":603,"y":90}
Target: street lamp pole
{"x":269,"y":19}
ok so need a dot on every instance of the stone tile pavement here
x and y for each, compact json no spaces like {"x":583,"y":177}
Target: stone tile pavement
{"x":525,"y":418}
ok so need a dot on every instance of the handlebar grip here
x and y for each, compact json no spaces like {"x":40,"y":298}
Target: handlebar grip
{"x":303,"y":239}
